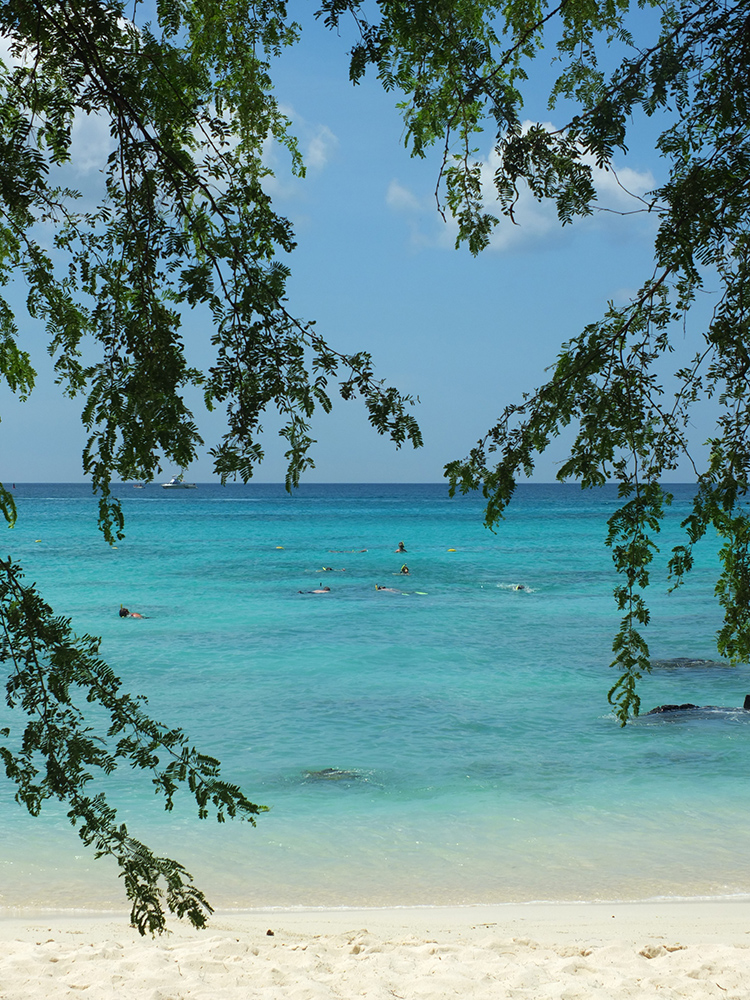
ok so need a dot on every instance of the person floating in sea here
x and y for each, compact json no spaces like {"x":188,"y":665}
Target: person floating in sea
{"x":320,"y":590}
{"x":401,"y":547}
{"x":389,"y":590}
{"x":404,"y":570}
{"x":124,"y":613}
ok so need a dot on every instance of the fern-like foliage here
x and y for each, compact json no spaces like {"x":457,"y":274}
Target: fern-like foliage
{"x":52,"y":675}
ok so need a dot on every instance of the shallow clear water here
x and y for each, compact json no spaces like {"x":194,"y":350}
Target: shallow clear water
{"x":480,"y":760}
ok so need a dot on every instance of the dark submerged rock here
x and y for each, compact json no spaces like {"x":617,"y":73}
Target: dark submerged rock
{"x":332,"y":774}
{"x":686,"y":662}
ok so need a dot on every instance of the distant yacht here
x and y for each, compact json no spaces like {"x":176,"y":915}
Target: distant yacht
{"x":178,"y":483}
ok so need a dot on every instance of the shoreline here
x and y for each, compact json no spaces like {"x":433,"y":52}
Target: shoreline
{"x":556,"y":950}
{"x":580,"y":913}
{"x":35,"y":912}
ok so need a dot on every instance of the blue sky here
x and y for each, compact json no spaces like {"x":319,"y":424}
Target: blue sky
{"x":376,"y":268}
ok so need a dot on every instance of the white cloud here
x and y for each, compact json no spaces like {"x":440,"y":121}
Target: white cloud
{"x":5,"y":55}
{"x":90,"y":143}
{"x":425,"y":224}
{"x":618,"y":192}
{"x":317,"y":143}
{"x":401,"y":199}
{"x":622,"y":296}
{"x":320,"y":145}
{"x":533,"y":220}
{"x":621,"y":188}
{"x":90,"y":139}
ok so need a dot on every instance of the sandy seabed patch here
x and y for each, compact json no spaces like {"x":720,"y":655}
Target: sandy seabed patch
{"x":558,"y":951}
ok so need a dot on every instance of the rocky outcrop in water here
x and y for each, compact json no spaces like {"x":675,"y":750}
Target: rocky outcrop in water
{"x":661,"y":709}
{"x":673,"y":708}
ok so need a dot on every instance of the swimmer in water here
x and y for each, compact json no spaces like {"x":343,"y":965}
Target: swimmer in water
{"x":124,"y":613}
{"x":320,"y":590}
{"x":519,"y":586}
{"x":404,"y":570}
{"x":401,"y":547}
{"x":389,"y":590}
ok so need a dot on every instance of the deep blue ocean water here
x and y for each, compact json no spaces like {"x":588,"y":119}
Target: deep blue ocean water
{"x":475,"y":755}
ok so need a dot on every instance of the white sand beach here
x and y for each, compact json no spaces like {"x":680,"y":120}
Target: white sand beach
{"x":594,"y":950}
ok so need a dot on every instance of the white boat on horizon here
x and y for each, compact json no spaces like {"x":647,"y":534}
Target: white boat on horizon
{"x":178,"y":483}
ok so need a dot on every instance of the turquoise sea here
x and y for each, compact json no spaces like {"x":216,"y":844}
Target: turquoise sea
{"x":450,"y":743}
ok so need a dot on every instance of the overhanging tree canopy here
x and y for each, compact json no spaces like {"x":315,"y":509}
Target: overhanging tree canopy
{"x":463,"y":67}
{"x":185,"y":223}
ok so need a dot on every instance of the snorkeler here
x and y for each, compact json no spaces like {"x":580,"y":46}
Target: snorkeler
{"x":404,"y":570}
{"x":401,"y":547}
{"x":124,"y":613}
